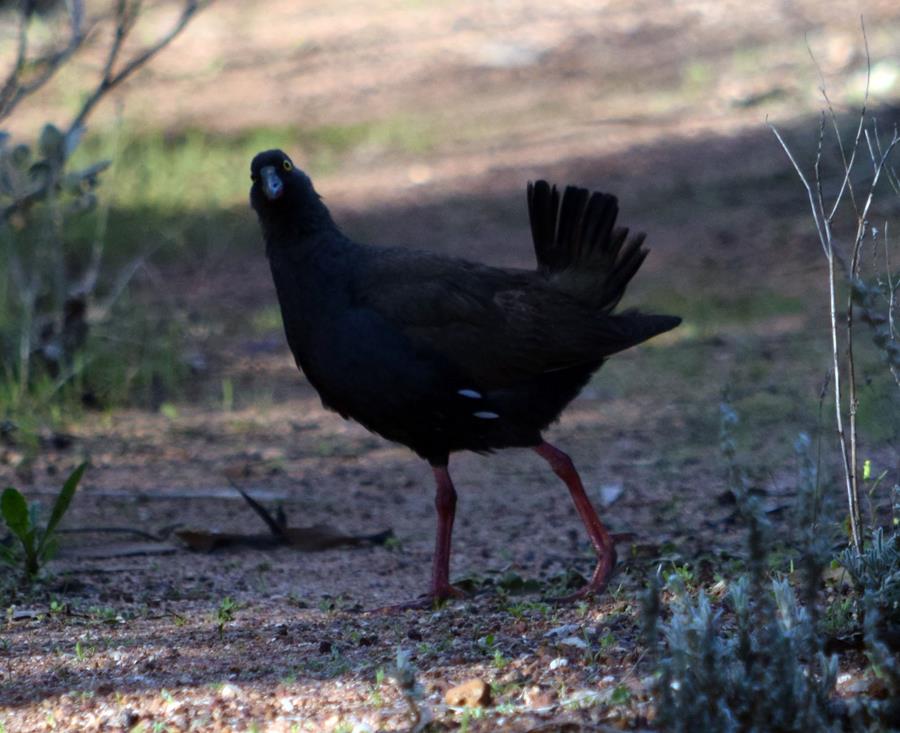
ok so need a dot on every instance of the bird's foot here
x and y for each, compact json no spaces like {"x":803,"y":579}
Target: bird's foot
{"x":426,"y":602}
{"x":596,"y":586}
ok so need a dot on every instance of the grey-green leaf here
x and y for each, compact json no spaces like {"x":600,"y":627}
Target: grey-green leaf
{"x":52,"y":144}
{"x":21,"y":156}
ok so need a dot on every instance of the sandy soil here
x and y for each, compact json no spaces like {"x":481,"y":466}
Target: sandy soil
{"x":661,"y":103}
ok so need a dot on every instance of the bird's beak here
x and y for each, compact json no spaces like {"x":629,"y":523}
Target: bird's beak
{"x":271,"y":183}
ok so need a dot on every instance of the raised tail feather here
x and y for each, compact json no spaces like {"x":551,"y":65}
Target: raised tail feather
{"x":578,"y":242}
{"x":631,"y":328}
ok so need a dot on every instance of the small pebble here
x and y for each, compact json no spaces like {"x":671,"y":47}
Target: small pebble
{"x":229,"y":691}
{"x":471,"y":693}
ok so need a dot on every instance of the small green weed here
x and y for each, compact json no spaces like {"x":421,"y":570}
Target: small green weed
{"x":839,"y":618}
{"x":375,"y":696}
{"x":528,"y":608}
{"x":225,"y":613}
{"x":83,"y":652}
{"x":38,"y":544}
{"x":621,"y":695}
{"x":499,"y":660}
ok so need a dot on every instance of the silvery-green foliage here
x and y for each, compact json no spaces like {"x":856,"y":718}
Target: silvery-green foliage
{"x":761,"y":667}
{"x":885,"y":664}
{"x":875,"y":573}
{"x":45,"y":292}
{"x":28,"y":176}
{"x":875,"y":303}
{"x":766,"y":673}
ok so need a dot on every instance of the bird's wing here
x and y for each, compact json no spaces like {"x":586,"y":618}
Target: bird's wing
{"x":497,"y":326}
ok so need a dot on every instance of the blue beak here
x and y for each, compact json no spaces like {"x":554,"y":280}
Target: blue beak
{"x":271,"y":183}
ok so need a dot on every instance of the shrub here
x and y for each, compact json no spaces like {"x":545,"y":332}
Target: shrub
{"x":50,"y":294}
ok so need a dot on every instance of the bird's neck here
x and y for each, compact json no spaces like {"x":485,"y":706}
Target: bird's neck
{"x":294,"y":227}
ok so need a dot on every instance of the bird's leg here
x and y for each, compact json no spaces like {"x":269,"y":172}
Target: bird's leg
{"x":603,"y":543}
{"x":445,"y":503}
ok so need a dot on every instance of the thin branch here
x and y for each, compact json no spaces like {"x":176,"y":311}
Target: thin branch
{"x":12,"y":80}
{"x":123,"y":278}
{"x":48,"y":65}
{"x":823,"y":218}
{"x":91,"y":274}
{"x":806,"y":185}
{"x":846,"y":183}
{"x":109,"y":79}
{"x":824,"y":233}
{"x":839,"y":419}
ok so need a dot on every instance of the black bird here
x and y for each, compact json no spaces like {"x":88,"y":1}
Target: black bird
{"x":445,"y":355}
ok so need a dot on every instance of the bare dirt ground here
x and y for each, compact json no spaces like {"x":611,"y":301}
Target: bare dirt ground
{"x":661,"y":103}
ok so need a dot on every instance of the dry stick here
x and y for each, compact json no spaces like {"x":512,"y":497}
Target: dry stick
{"x":825,"y":238}
{"x":850,"y":462}
{"x":823,"y":223}
{"x":852,"y":270}
{"x":847,"y":454}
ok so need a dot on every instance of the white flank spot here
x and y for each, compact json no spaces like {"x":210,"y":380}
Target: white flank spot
{"x":486,"y":415}
{"x":470,"y":393}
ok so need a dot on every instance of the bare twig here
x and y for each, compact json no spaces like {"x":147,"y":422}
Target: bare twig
{"x":15,"y":88}
{"x":29,"y":72}
{"x":125,"y":16}
{"x":807,"y":186}
{"x":823,"y":216}
{"x":823,"y":228}
{"x":862,"y":301}
{"x":91,"y":274}
{"x":11,"y":84}
{"x":846,"y":182}
{"x":123,"y":278}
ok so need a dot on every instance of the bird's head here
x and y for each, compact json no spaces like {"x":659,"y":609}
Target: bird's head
{"x":273,"y":175}
{"x":283,"y":195}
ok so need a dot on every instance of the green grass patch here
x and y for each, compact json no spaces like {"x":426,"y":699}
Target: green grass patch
{"x":266,"y":319}
{"x":195,"y":169}
{"x":703,"y":311}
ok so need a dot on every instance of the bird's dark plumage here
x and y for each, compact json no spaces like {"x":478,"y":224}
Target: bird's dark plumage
{"x":442,"y":354}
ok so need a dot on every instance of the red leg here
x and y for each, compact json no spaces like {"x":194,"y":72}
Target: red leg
{"x":603,"y":543}
{"x":445,"y":503}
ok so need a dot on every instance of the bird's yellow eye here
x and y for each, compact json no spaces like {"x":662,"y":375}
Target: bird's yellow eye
{"x":287,"y":165}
